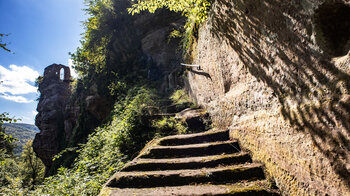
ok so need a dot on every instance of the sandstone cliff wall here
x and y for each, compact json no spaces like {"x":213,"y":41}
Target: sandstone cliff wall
{"x":268,"y":74}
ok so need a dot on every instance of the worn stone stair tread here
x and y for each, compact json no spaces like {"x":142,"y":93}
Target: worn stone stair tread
{"x":205,"y":163}
{"x":192,"y":150}
{"x":259,"y":188}
{"x":251,"y":171}
{"x":203,"y":137}
{"x":196,"y":145}
{"x":187,"y":163}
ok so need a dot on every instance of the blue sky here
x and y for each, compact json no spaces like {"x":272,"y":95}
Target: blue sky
{"x":41,"y":32}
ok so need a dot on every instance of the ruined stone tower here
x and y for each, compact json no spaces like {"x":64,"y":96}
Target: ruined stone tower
{"x":54,"y":91}
{"x":54,"y":72}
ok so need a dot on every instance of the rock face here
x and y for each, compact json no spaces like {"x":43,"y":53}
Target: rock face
{"x":65,"y":120}
{"x":163,"y":57}
{"x":58,"y":115}
{"x":154,"y":31}
{"x":142,"y":44}
{"x":268,"y":74}
{"x":55,"y":91}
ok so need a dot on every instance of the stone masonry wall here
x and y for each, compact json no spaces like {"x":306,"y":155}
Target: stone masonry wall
{"x":269,"y":74}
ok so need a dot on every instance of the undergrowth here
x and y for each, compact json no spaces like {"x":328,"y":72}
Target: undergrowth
{"x":181,"y":97}
{"x":112,"y":145}
{"x":107,"y":149}
{"x":169,"y":126}
{"x":131,"y":124}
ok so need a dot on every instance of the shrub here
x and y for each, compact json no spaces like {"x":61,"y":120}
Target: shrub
{"x":107,"y":149}
{"x":169,"y":126}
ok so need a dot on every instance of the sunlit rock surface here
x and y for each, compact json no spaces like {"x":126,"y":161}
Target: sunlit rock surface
{"x":269,"y":73}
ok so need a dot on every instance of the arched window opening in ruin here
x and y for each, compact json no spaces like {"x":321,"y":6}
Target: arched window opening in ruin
{"x":332,"y":26}
{"x":61,"y":74}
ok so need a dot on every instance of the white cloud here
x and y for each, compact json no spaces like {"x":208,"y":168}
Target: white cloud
{"x":18,"y":99}
{"x":34,"y":112}
{"x":73,"y":73}
{"x":17,"y":81}
{"x":26,"y":118}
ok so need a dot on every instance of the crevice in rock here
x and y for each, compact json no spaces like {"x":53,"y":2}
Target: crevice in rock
{"x":332,"y":27}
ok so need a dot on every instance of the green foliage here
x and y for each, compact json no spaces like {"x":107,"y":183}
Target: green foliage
{"x":99,"y":61}
{"x":32,"y":167}
{"x":99,"y":71}
{"x":196,"y":12}
{"x":71,"y":182}
{"x":14,"y":188}
{"x":100,"y":152}
{"x":107,"y":149}
{"x":2,"y":44}
{"x":95,"y":54}
{"x":112,"y":145}
{"x":131,"y":121}
{"x":175,"y":34}
{"x":20,"y":174}
{"x":4,"y":118}
{"x":180,"y":97}
{"x":86,"y":122}
{"x":9,"y":169}
{"x":181,"y":100}
{"x":117,"y":87}
{"x":169,"y":126}
{"x":6,"y":141}
{"x":22,"y":133}
{"x":38,"y":81}
{"x":13,"y":171}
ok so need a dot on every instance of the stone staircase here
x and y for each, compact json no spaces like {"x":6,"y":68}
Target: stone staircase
{"x":208,"y":163}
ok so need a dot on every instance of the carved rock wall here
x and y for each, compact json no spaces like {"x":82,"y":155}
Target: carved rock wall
{"x":268,"y":74}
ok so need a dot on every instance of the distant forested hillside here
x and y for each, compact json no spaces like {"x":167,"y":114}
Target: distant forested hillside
{"x":22,"y":132}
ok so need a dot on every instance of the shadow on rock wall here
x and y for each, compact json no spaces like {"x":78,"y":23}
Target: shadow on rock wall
{"x":274,"y":40}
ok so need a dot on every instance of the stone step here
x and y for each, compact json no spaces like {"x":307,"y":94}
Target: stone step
{"x":228,"y":174}
{"x":193,"y":150}
{"x":187,"y":163}
{"x":253,"y":188}
{"x":204,"y":137}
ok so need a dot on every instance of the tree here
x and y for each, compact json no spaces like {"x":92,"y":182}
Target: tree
{"x":6,"y":141}
{"x":32,"y":168}
{"x":9,"y":169}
